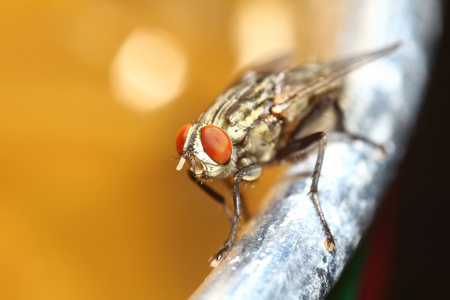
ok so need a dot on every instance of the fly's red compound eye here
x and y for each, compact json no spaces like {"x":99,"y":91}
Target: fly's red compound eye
{"x":217,"y":144}
{"x":181,"y":138}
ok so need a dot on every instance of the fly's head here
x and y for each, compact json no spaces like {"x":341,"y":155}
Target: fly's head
{"x":206,"y":148}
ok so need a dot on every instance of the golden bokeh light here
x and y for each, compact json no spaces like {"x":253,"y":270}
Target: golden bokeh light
{"x":262,"y":29}
{"x":149,"y":70}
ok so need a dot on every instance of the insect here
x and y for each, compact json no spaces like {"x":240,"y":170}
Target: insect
{"x":263,"y":119}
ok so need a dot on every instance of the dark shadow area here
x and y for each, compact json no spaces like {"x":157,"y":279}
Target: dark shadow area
{"x":421,"y":268}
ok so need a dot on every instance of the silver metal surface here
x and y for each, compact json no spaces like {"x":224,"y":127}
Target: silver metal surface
{"x":281,"y":255}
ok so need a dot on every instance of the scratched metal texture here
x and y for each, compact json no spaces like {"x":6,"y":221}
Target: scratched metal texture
{"x":281,"y":256}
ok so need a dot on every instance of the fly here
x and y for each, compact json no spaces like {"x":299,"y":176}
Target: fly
{"x":263,"y":119}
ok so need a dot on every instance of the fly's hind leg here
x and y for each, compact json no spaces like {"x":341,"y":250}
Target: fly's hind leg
{"x":340,"y":127}
{"x":292,"y":152}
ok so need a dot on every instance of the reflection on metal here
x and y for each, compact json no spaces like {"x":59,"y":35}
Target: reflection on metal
{"x":149,"y":70}
{"x":262,"y":28}
{"x":281,"y":256}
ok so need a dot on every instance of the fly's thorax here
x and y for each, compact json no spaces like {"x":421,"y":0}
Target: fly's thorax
{"x":200,"y":159}
{"x":239,"y":107}
{"x":239,"y":128}
{"x":262,"y":139}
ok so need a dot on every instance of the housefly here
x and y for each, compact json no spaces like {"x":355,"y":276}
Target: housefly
{"x":265,"y":118}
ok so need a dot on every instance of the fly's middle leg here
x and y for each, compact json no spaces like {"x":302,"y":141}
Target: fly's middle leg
{"x":295,"y":149}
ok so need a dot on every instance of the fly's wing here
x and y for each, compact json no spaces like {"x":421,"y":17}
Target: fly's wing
{"x":272,"y":66}
{"x":330,"y":72}
{"x":275,"y":65}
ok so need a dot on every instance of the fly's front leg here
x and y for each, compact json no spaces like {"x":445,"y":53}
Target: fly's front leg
{"x":245,"y":213}
{"x":291,"y":152}
{"x":216,"y":196}
{"x":249,"y":173}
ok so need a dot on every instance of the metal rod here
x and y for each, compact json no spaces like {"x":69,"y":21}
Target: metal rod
{"x":282,"y":256}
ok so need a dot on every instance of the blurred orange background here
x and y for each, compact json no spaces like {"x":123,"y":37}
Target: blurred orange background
{"x":92,"y":94}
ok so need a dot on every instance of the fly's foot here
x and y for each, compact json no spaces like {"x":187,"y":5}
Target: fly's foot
{"x":216,"y":259}
{"x":367,"y":141}
{"x":379,"y":147}
{"x":329,"y":244}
